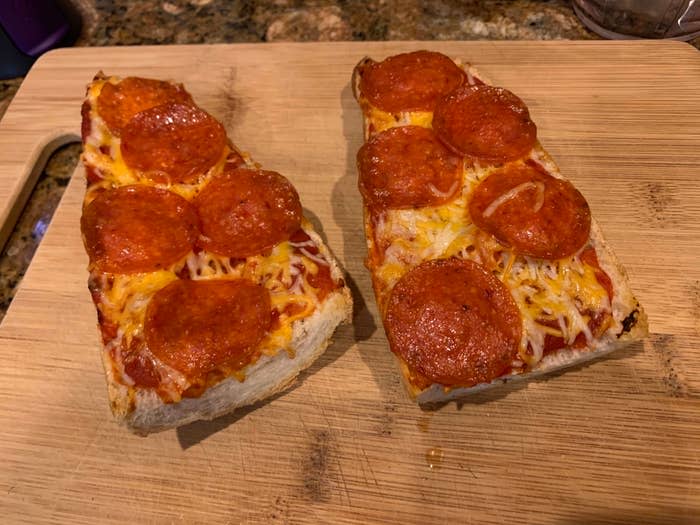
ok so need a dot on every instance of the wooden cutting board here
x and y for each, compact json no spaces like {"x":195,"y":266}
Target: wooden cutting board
{"x":615,"y":441}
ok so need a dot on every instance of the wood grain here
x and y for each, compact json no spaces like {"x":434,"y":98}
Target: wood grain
{"x":616,"y":441}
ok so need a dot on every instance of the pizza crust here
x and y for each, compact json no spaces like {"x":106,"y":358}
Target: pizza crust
{"x":630,"y":317}
{"x":630,"y":323}
{"x":267,"y":377}
{"x":143,"y":410}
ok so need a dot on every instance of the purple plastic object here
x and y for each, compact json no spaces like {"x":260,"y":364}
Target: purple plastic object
{"x":34,"y":26}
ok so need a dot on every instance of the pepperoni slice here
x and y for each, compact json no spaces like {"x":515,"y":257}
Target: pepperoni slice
{"x":245,"y":212}
{"x":453,"y":322}
{"x":407,"y":167}
{"x":117,"y":103}
{"x":173,"y":142}
{"x":138,"y":228}
{"x":138,"y":366}
{"x":197,"y":326}
{"x":527,"y":209}
{"x":485,"y":122}
{"x":410,"y":81}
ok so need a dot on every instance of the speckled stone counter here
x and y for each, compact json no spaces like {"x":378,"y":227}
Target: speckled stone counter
{"x":131,"y":22}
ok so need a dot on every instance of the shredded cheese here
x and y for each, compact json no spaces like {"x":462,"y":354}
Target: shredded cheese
{"x":102,"y":150}
{"x":554,"y":297}
{"x":513,"y":192}
{"x":124,"y":298}
{"x":383,"y":120}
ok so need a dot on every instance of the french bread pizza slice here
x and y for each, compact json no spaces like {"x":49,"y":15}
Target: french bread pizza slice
{"x":212,"y":290}
{"x":486,"y":263}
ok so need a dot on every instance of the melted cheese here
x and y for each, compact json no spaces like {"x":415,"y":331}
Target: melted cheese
{"x":551,"y":292}
{"x":382,"y":120}
{"x":124,"y":298}
{"x":102,"y":151}
{"x":416,"y":235}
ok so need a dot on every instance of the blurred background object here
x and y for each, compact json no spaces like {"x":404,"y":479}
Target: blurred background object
{"x":29,"y":28}
{"x":625,"y":19}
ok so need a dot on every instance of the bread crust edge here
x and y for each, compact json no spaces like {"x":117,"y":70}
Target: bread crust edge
{"x":625,"y":302}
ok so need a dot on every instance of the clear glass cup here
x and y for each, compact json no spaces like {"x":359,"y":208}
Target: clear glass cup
{"x":626,"y":19}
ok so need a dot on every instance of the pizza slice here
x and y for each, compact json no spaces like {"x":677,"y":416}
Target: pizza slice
{"x":486,"y":263}
{"x":212,"y":290}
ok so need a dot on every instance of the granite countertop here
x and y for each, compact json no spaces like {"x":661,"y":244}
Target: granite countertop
{"x":125,"y":22}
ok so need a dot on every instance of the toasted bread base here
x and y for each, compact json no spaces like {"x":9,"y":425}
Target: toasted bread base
{"x":436,"y":395}
{"x":628,"y":314}
{"x":267,"y":377}
{"x":143,"y":412}
{"x":630,"y":320}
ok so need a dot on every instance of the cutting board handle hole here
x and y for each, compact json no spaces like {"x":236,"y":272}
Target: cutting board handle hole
{"x":45,"y":179}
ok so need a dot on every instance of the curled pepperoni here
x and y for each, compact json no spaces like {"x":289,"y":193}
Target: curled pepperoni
{"x":138,"y":228}
{"x":453,"y":322}
{"x":407,"y":167}
{"x":485,"y":122}
{"x":410,"y":81}
{"x":173,"y":142}
{"x":527,"y":209}
{"x":197,"y":326}
{"x":245,"y":212}
{"x":117,"y":103}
